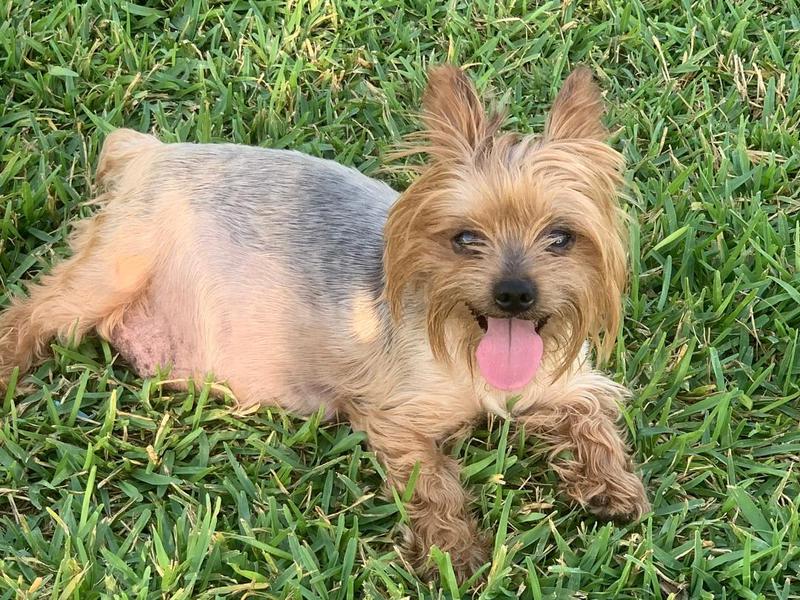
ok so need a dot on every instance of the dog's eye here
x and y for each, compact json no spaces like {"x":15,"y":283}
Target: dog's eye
{"x":560,"y":240}
{"x":467,"y":242}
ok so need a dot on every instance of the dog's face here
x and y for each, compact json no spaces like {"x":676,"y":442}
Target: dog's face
{"x":517,"y":241}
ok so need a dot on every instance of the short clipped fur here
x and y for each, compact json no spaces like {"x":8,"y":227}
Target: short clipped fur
{"x":302,"y":283}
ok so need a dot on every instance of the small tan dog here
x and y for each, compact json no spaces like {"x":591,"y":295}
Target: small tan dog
{"x":302,"y":283}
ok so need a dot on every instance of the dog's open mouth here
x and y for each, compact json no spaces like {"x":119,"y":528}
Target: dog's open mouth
{"x":510,"y":351}
{"x":483,"y":322}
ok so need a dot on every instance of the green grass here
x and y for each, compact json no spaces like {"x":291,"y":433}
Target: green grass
{"x":112,"y":487}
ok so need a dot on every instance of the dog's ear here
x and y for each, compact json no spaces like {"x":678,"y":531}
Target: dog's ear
{"x":576,"y":122}
{"x":578,"y":109}
{"x":453,"y":114}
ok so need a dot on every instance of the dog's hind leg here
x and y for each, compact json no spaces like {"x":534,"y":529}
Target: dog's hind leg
{"x":113,"y":256}
{"x":87,"y":291}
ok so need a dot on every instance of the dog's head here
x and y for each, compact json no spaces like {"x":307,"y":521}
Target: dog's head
{"x":516,"y":241}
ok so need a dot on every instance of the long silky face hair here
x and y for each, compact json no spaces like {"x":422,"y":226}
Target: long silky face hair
{"x":490,"y":204}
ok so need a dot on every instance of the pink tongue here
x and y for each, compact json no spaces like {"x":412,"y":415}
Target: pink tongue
{"x":509,"y":353}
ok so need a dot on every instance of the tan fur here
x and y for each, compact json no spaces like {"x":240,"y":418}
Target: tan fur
{"x":512,"y":189}
{"x":143,"y":276}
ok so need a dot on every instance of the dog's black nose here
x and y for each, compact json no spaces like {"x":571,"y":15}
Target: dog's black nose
{"x":514,"y":296}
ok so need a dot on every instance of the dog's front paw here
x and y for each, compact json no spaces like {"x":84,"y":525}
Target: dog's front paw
{"x":468,"y":549}
{"x":467,"y":560}
{"x":621,"y":497}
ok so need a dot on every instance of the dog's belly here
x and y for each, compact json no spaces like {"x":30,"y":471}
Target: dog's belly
{"x":266,"y":355}
{"x":150,"y":342}
{"x":194,"y":327}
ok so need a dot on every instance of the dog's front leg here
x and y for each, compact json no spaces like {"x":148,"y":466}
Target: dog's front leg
{"x":438,"y":508}
{"x":578,"y":422}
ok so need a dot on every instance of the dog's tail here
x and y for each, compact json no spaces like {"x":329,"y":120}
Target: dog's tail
{"x":121,"y":149}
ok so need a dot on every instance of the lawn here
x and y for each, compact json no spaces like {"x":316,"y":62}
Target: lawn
{"x":112,"y":487}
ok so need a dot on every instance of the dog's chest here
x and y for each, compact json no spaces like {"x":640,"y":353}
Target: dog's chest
{"x":493,"y":401}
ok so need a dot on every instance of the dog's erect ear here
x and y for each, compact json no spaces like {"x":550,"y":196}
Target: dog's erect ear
{"x":452,"y":112}
{"x":577,"y":110}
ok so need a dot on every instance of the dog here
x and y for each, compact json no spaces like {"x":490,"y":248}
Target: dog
{"x":304,"y":284}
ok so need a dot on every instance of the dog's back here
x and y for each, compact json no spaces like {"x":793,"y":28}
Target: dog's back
{"x":327,"y":219}
{"x":324,"y":218}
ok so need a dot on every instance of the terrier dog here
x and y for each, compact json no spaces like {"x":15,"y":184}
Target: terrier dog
{"x":302,"y":283}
